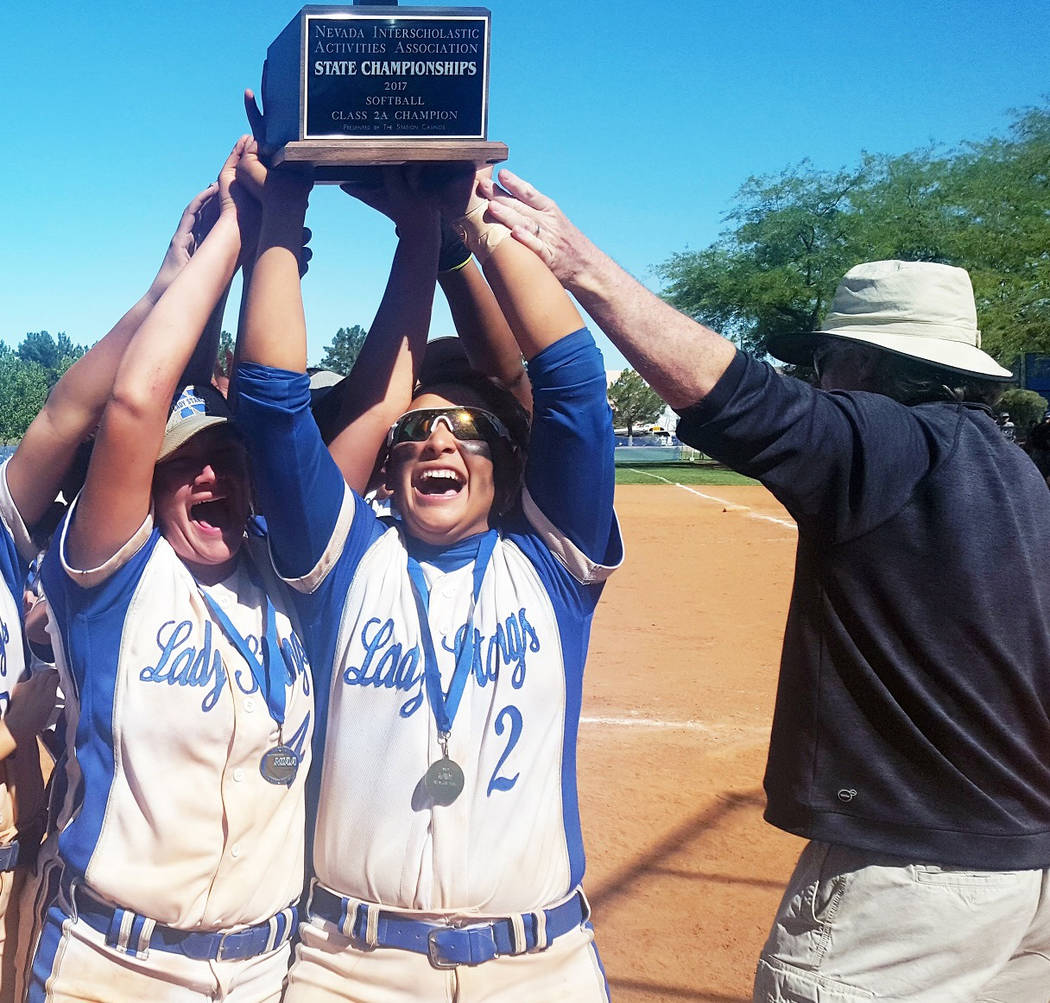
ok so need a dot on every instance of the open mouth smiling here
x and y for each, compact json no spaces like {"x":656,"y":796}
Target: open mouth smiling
{"x":440,"y":482}
{"x":210,"y":515}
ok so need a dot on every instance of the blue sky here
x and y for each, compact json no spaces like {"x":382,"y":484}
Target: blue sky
{"x":641,"y":120}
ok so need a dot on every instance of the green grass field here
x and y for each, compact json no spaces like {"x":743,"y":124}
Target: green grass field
{"x":678,"y":473}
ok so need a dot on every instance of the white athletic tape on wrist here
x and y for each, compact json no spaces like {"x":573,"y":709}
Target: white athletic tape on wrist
{"x":480,"y":237}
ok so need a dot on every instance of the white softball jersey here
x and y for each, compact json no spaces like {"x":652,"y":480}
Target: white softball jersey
{"x":511,"y":840}
{"x":16,"y":551}
{"x":513,"y":835}
{"x":165,"y":811}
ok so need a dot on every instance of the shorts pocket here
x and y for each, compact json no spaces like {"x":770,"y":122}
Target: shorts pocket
{"x":779,"y":982}
{"x":827,"y":880}
{"x":934,"y":874}
{"x":826,"y":892}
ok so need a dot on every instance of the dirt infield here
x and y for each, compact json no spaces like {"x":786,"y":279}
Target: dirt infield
{"x":683,"y":874}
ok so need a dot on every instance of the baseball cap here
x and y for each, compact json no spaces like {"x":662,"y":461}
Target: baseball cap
{"x":919,"y":309}
{"x":196,"y":407}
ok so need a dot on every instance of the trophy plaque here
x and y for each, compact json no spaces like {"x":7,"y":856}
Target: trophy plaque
{"x":345,"y":87}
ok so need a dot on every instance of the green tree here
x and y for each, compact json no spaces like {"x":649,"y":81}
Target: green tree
{"x":1025,"y":408}
{"x":774,"y":269}
{"x":23,"y":390}
{"x":790,"y":238}
{"x":342,"y":353}
{"x":633,"y":401}
{"x":1003,"y":191}
{"x":54,"y":355}
{"x":226,"y":347}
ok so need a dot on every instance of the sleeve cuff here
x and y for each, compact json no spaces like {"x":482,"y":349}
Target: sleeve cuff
{"x":313,"y":578}
{"x":276,"y":388}
{"x":12,"y":518}
{"x":89,"y":578}
{"x":721,"y":392}
{"x":571,"y":359}
{"x":574,"y":560}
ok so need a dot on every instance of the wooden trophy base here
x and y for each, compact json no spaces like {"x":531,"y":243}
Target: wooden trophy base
{"x":338,"y":160}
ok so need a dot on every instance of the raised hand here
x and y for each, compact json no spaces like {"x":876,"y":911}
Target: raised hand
{"x":397,"y":191}
{"x":228,"y":198}
{"x":252,"y":171}
{"x":197,"y":219}
{"x":256,"y":119}
{"x":536,"y":221}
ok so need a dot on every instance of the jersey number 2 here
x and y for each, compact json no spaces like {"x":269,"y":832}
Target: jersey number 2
{"x":513,"y":715}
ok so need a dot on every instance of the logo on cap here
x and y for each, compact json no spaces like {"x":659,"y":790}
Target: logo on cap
{"x":189,"y":404}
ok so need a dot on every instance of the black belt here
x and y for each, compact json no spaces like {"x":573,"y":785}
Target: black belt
{"x":452,"y":943}
{"x":134,"y":934}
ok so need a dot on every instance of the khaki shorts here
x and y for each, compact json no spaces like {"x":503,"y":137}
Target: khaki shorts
{"x":855,"y":925}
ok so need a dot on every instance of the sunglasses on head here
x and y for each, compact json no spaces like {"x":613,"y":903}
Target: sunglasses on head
{"x":468,"y":424}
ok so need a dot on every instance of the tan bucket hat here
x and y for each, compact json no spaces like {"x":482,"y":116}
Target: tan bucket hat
{"x":196,"y":407}
{"x":918,"y":309}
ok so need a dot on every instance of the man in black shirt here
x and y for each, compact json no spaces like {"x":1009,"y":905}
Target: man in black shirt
{"x":912,"y":723}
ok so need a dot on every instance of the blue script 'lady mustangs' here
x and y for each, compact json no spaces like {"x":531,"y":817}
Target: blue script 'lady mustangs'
{"x":515,"y":731}
{"x":169,"y":710}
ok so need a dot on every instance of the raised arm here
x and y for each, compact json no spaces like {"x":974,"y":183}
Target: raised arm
{"x":116,"y":494}
{"x":569,"y":474}
{"x":530,"y":296}
{"x":483,"y":331}
{"x":273,"y":326}
{"x":380,"y":386}
{"x":75,"y":405}
{"x":681,"y":359}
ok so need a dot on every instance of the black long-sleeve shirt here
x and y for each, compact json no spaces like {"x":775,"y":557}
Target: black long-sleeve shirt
{"x":913,"y":708}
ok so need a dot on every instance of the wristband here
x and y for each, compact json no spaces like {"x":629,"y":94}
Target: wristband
{"x":454,"y":254}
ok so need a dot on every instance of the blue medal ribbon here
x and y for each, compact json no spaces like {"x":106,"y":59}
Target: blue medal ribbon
{"x":444,"y":705}
{"x":266,"y":671}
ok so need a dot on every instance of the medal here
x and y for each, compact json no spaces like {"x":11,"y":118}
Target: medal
{"x":444,"y":781}
{"x":279,"y":765}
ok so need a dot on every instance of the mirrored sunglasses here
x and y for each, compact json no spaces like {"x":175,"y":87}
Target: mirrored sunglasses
{"x":465,"y":423}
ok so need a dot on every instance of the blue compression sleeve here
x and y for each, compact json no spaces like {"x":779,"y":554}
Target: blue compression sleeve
{"x":570,"y":472}
{"x":299,"y":487}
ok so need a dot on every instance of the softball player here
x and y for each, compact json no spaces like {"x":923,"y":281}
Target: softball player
{"x":26,"y":704}
{"x":180,"y":844}
{"x":447,"y":849}
{"x":29,"y":482}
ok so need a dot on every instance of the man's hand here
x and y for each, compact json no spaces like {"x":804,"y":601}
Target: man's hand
{"x":536,"y":221}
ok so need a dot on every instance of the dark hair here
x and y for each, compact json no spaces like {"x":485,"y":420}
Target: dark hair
{"x":914,"y":381}
{"x":508,"y":460}
{"x":500,"y":401}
